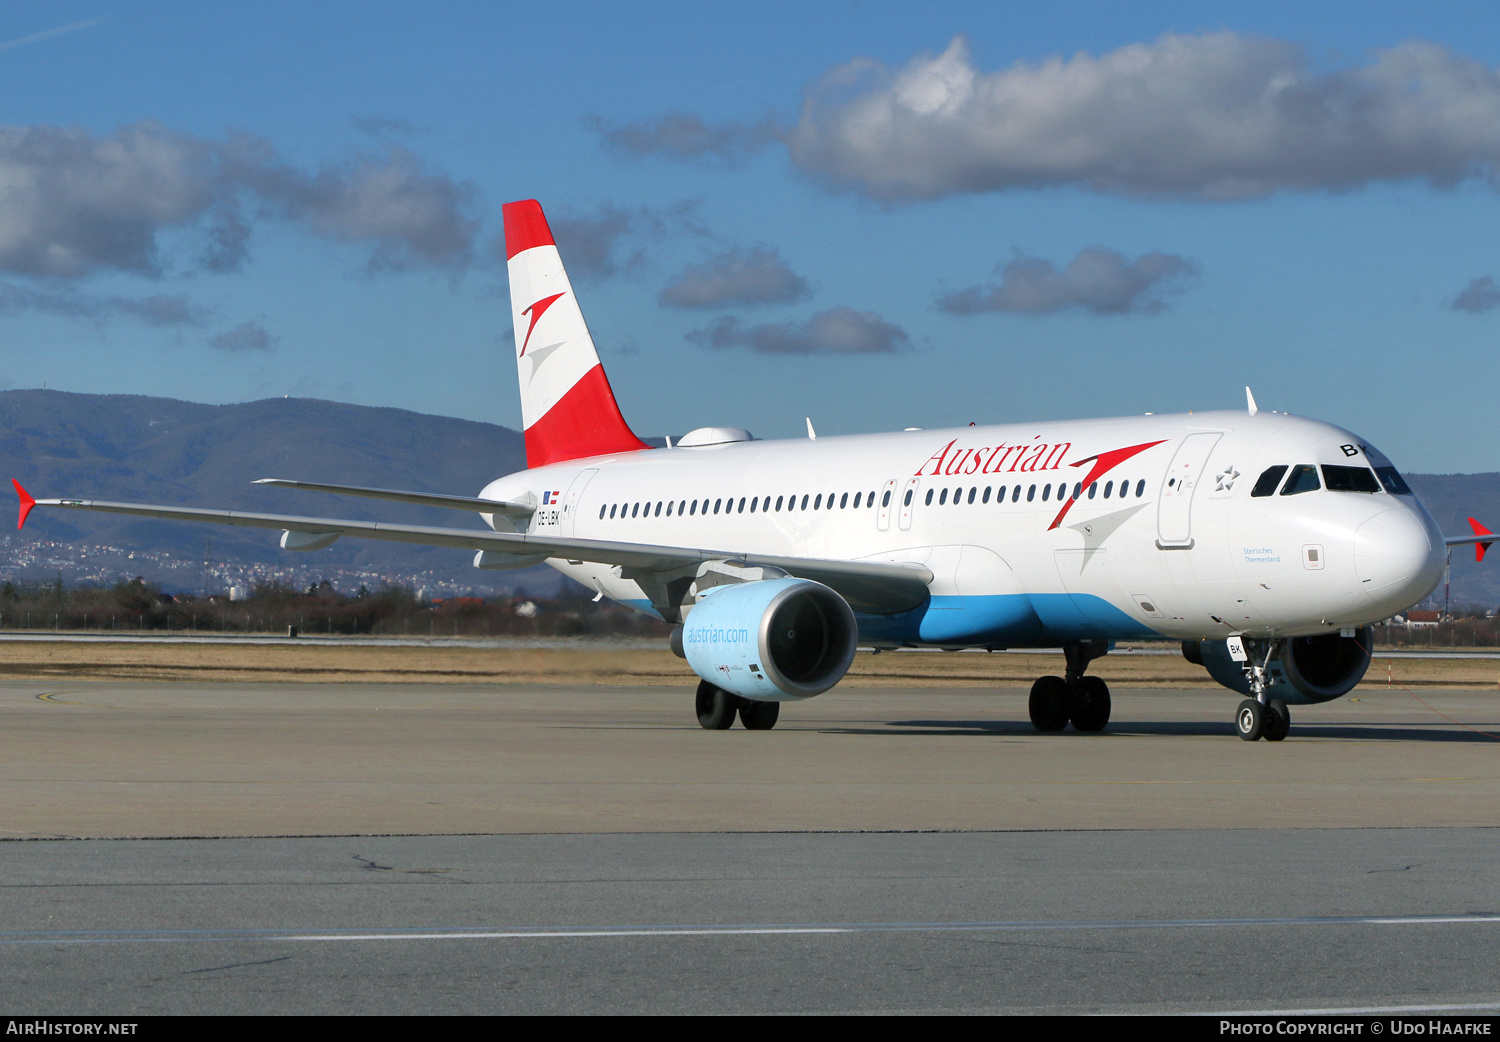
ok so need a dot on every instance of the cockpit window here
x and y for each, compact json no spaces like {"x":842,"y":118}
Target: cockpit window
{"x":1349,"y":479}
{"x":1304,"y":479}
{"x":1269,"y":479}
{"x":1393,"y":482}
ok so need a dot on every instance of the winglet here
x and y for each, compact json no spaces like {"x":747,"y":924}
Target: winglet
{"x":1480,"y":548}
{"x":26,"y":504}
{"x":1250,"y":402}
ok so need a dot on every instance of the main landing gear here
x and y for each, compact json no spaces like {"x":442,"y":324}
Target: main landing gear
{"x":1083,"y":701}
{"x":1261,"y":716}
{"x":717,"y":709}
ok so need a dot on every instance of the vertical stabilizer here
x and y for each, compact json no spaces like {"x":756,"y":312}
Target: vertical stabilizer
{"x":567,"y":407}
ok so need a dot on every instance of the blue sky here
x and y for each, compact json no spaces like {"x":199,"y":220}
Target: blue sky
{"x":222,"y":202}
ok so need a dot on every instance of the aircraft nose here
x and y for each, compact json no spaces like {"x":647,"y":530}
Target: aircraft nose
{"x":1396,"y":560}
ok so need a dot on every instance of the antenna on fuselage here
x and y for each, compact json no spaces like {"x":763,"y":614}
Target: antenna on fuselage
{"x":1250,"y":401}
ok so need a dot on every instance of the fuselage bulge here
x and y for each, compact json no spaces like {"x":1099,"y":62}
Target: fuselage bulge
{"x":1192,"y":527}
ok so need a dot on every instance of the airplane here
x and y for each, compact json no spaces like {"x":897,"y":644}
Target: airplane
{"x":1267,"y":544}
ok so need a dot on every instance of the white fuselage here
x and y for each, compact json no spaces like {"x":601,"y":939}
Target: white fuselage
{"x":1166,"y":541}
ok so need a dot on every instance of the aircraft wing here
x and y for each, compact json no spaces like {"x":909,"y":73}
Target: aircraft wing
{"x":871,"y":586}
{"x":426,"y":499}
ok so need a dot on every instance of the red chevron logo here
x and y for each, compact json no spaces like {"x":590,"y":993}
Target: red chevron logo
{"x":535,"y":311}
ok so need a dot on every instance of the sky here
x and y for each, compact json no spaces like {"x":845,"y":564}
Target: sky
{"x":876,"y":215}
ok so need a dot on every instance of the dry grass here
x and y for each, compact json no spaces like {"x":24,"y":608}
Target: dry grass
{"x":332,"y":662}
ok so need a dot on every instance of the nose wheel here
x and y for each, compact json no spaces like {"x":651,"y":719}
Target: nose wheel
{"x":1271,"y":720}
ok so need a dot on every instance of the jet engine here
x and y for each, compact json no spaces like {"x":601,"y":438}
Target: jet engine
{"x":1306,"y":669}
{"x":770,"y":640}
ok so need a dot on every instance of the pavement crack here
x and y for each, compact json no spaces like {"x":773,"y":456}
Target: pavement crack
{"x":237,"y":965}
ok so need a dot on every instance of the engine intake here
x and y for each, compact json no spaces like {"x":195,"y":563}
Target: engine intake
{"x":771,"y":640}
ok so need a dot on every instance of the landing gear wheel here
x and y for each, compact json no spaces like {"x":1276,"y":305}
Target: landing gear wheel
{"x":1090,"y":709}
{"x":716,"y":707}
{"x":759,"y":716}
{"x":1049,"y":703}
{"x":1250,"y":720}
{"x":1278,"y":721}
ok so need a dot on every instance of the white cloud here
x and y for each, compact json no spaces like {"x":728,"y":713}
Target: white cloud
{"x":1215,"y":116}
{"x":837,"y":331}
{"x":1097,"y":280}
{"x":736,"y":276}
{"x":1479,"y":296}
{"x":73,"y":203}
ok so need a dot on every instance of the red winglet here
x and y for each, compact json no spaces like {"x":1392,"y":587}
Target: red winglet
{"x":1480,"y":548}
{"x":26,"y":504}
{"x":525,"y":227}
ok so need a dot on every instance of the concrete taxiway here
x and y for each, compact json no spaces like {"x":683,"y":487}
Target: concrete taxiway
{"x":515,"y":848}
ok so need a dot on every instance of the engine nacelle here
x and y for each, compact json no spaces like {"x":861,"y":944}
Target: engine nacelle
{"x":771,"y":640}
{"x":1307,"y":669}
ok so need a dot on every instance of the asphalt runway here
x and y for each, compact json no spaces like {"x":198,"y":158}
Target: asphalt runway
{"x":1145,"y":922}
{"x":452,"y":848}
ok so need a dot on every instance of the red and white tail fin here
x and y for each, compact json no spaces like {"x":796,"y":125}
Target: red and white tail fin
{"x":567,"y":406}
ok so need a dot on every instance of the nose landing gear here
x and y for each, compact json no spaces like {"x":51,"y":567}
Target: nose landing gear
{"x":1261,"y":716}
{"x":1084,"y":701}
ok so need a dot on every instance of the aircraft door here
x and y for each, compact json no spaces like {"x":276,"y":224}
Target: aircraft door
{"x":570,"y":505}
{"x":1174,"y":511}
{"x":887,"y":494}
{"x":908,"y":500}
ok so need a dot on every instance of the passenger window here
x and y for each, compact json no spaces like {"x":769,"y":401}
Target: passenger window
{"x":1140,"y":488}
{"x":1109,"y":486}
{"x":942,"y":497}
{"x":741,"y":510}
{"x":1015,"y":496}
{"x":602,"y":509}
{"x":804,"y":501}
{"x":818,"y":503}
{"x":928,"y":500}
{"x":753,"y":501}
{"x":870,"y":500}
{"x":1349,"y":479}
{"x":885,"y":500}
{"x":844,"y":501}
{"x":669,"y":508}
{"x":657,"y":511}
{"x":681,"y":507}
{"x":1094,"y":487}
{"x":693,"y":508}
{"x":974,"y":490}
{"x":1265,"y":485}
{"x":1392,"y":481}
{"x":1030,"y":493}
{"x":986,"y":497}
{"x":1304,"y":479}
{"x":856,"y":499}
{"x":635,"y":511}
{"x":717,"y":503}
{"x":778,"y":503}
{"x":1046,"y":492}
{"x":907,"y":500}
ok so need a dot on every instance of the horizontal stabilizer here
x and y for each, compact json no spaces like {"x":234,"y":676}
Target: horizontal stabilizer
{"x":425,"y":499}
